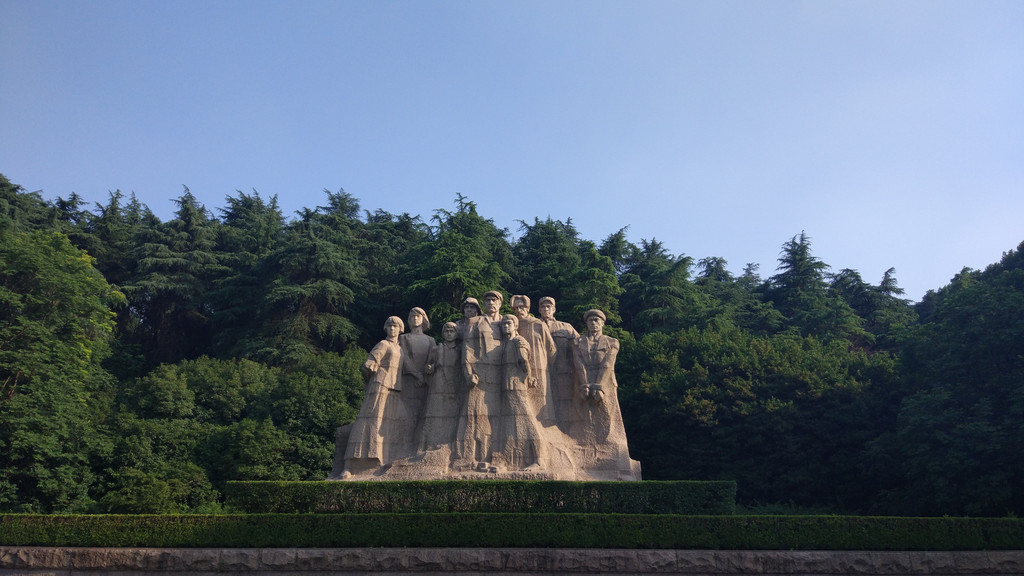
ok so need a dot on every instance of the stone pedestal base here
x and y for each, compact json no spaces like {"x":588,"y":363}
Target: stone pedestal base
{"x":566,"y":461}
{"x":327,"y":562}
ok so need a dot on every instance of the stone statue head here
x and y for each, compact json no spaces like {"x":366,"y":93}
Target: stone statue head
{"x":450,"y":331}
{"x":473,"y":307}
{"x":521,"y":305}
{"x":492,"y":302}
{"x":546,"y":308}
{"x":394,"y":321}
{"x":594,"y":319}
{"x":509,"y":324}
{"x":422,"y":314}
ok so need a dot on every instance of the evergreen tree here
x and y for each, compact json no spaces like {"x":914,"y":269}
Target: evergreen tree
{"x":884,"y":314}
{"x":315,"y":276}
{"x":467,"y":256}
{"x":388,"y":255}
{"x":24,"y":211}
{"x":619,"y":249}
{"x":251,"y":230}
{"x":177,"y":268}
{"x":116,"y":227}
{"x":734,"y":301}
{"x":750,"y":280}
{"x":800,"y":292}
{"x":547,"y":258}
{"x":76,"y":223}
{"x":658,"y":294}
{"x":713,"y":269}
{"x":594,"y":285}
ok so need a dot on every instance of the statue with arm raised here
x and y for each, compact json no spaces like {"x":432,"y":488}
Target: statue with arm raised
{"x":369,"y":440}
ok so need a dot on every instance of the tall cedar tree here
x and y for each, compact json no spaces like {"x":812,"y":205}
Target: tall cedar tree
{"x":252,"y":228}
{"x":800,"y":292}
{"x":315,"y":276}
{"x":467,"y":256}
{"x":178,"y":266}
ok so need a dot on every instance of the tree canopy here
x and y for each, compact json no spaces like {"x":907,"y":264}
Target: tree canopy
{"x":145,"y":363}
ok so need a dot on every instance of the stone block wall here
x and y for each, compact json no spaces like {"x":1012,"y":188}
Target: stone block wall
{"x":27,"y":560}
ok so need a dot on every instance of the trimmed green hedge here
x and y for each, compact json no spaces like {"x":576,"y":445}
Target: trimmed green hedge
{"x":498,"y":496}
{"x":516,"y":530}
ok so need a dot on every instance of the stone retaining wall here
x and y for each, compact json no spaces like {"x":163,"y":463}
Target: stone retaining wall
{"x":324,"y":562}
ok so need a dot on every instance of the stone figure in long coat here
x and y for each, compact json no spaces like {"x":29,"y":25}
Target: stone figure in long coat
{"x":381,"y":412}
{"x":481,"y":361}
{"x":560,"y":371}
{"x":597,"y":417}
{"x":523,"y":446}
{"x":444,"y":384}
{"x":542,"y":349}
{"x":416,"y":346}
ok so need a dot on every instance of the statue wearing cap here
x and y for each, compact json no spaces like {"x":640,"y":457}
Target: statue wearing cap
{"x":560,"y":371}
{"x":470,"y":309}
{"x":542,"y":349}
{"x":597,"y":417}
{"x":477,"y":404}
{"x":482,"y":371}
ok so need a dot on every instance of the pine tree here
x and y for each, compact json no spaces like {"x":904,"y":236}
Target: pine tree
{"x":177,"y":268}
{"x":251,"y":230}
{"x":315,"y":276}
{"x":467,"y":256}
{"x":800,"y":292}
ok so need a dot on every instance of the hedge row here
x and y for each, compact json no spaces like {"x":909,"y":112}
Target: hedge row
{"x":665,"y":531}
{"x":704,"y":498}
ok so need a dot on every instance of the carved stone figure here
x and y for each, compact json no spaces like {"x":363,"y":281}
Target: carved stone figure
{"x":598,"y":416}
{"x":492,"y":305}
{"x":542,"y":348}
{"x":560,"y":366}
{"x":470,"y":309}
{"x":380,"y":414}
{"x":481,"y":360}
{"x":444,"y":381}
{"x":416,"y":346}
{"x":501,"y":396}
{"x":523,"y":446}
{"x":595,"y":358}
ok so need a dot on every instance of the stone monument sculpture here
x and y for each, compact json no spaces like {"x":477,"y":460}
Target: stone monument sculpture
{"x":597,"y":415}
{"x":522,"y":444}
{"x":560,"y":370}
{"x":381,"y":414}
{"x":513,"y":397}
{"x":542,"y":348}
{"x":444,"y":380}
{"x":416,"y":347}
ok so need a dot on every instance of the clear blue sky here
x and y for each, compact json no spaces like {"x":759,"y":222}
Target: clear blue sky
{"x":891,"y":132}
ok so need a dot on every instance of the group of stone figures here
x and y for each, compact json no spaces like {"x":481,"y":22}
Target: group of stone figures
{"x":512,"y":396}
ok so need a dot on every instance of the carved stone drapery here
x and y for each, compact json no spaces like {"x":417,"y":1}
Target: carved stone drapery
{"x":505,"y":397}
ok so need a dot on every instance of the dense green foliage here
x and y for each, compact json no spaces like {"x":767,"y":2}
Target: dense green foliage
{"x":680,"y":497}
{"x":552,"y":530}
{"x":144,"y":364}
